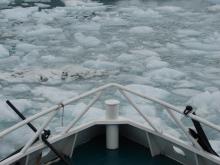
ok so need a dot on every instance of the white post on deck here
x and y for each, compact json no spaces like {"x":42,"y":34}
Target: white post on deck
{"x":112,"y":130}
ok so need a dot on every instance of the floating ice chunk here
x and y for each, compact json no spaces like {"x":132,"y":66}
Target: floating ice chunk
{"x":3,"y":51}
{"x":93,"y":114}
{"x":10,"y":61}
{"x":206,"y":102}
{"x":169,"y":8}
{"x":145,"y":13}
{"x":5,"y":3}
{"x":118,"y":45}
{"x":19,"y":13}
{"x":20,"y":136}
{"x":214,"y":8}
{"x":111,"y":21}
{"x":88,"y":41}
{"x":52,"y":59}
{"x":155,"y":64}
{"x":6,"y":148}
{"x":148,"y":91}
{"x":55,"y":95}
{"x":172,"y":46}
{"x":186,"y":92}
{"x":131,"y":78}
{"x":73,"y":51}
{"x":73,"y":111}
{"x":22,"y":104}
{"x":187,"y":32}
{"x":141,"y":30}
{"x":42,"y":5}
{"x":43,"y":17}
{"x":106,"y":65}
{"x":163,"y":74}
{"x":185,"y":84}
{"x":42,"y":30}
{"x":8,"y":114}
{"x":20,"y":88}
{"x":216,"y":145}
{"x":195,"y":44}
{"x":144,"y":53}
{"x":133,"y":67}
{"x":31,"y":58}
{"x":88,"y":27}
{"x":147,"y":109}
{"x":26,"y":48}
{"x":126,"y":58}
{"x":211,"y":89}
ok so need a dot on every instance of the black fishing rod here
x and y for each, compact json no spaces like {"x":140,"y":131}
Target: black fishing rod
{"x":44,"y":136}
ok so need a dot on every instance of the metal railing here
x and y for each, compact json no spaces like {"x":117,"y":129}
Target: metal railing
{"x":123,"y":90}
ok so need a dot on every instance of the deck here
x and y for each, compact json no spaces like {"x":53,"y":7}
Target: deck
{"x":129,"y":153}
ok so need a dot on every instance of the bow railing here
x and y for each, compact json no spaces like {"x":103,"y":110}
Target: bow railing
{"x":171,"y":109}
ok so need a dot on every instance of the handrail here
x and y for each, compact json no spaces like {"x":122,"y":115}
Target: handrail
{"x":186,"y":132}
{"x":140,"y":113}
{"x":169,"y":106}
{"x":82,"y":113}
{"x":118,"y":86}
{"x":53,"y":108}
{"x":123,"y":90}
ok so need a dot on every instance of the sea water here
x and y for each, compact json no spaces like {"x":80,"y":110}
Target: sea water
{"x":53,"y":50}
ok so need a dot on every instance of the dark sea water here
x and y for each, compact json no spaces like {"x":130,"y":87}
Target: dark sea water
{"x":51,"y":4}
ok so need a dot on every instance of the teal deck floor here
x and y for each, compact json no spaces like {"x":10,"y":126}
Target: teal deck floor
{"x":129,"y":153}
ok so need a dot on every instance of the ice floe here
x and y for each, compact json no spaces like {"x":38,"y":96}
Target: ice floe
{"x":206,"y":102}
{"x":186,"y":92}
{"x":214,"y":8}
{"x":169,"y":51}
{"x":155,"y":64}
{"x":148,"y":91}
{"x":169,"y":8}
{"x":141,"y":30}
{"x":19,"y":13}
{"x":3,"y":52}
{"x":88,"y":41}
{"x":165,"y":75}
{"x":55,"y":95}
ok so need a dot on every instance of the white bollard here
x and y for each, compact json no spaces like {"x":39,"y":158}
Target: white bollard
{"x":112,"y":131}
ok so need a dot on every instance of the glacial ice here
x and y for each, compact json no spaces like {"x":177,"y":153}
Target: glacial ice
{"x":49,"y":55}
{"x":19,"y":13}
{"x":206,"y":103}
{"x":3,"y":52}
{"x":149,"y":91}
{"x":141,"y":30}
{"x":154,"y":64}
{"x":52,"y":94}
{"x":186,"y":92}
{"x":165,"y":75}
{"x":87,"y":41}
{"x":214,"y":8}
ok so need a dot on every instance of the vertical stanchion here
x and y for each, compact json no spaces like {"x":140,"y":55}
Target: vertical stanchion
{"x":112,"y":130}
